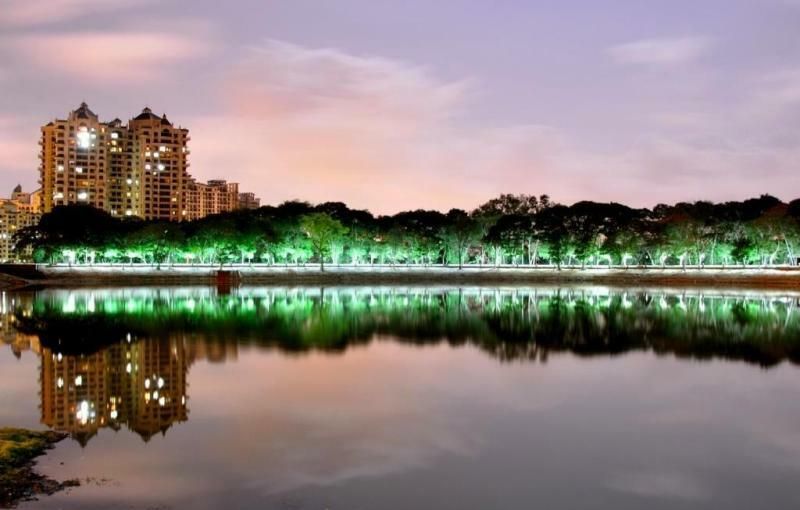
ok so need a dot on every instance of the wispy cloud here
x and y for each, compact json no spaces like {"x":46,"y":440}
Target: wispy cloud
{"x":22,"y":13}
{"x":108,"y":57}
{"x":662,"y":51}
{"x":323,"y":124}
{"x":780,"y":89}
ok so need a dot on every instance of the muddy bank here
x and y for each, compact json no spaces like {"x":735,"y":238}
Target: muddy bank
{"x":18,"y":480}
{"x":63,"y":276}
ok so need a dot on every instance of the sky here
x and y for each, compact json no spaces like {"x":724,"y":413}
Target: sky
{"x":391,"y":106}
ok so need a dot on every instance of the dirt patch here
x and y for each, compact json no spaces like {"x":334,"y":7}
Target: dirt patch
{"x":18,"y":480}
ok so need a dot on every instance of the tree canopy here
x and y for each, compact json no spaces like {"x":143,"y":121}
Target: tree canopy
{"x":511,"y":229}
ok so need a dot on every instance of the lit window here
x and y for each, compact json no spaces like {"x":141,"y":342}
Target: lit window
{"x":162,"y":149}
{"x":84,"y":139}
{"x":58,"y":195}
{"x":82,"y":195}
{"x":128,"y":213}
{"x":60,"y":168}
{"x":147,"y":154}
{"x":114,"y":135}
{"x":79,"y":169}
{"x":129,"y":181}
{"x":147,"y":166}
{"x":161,"y":167}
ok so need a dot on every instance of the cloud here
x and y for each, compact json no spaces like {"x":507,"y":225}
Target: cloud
{"x":108,"y":57}
{"x":23,"y":13}
{"x":661,"y":51}
{"x":313,"y":122}
{"x":666,"y":485}
{"x":323,"y":124}
{"x":17,"y":148}
{"x":777,"y":91}
{"x":283,"y":78}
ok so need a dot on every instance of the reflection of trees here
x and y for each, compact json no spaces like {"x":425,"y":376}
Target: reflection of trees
{"x":510,"y":324}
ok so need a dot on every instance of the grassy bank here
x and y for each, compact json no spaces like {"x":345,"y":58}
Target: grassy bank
{"x":751,"y":277}
{"x":18,"y":450}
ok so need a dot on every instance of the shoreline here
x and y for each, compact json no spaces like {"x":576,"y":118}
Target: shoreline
{"x":787,"y":278}
{"x":19,"y":480}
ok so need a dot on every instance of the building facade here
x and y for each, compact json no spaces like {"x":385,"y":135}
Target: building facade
{"x":19,"y":211}
{"x":74,"y":163}
{"x":213,"y":197}
{"x":249,"y":201}
{"x":138,"y":169}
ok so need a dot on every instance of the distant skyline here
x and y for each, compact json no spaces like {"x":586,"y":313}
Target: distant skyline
{"x":391,"y":105}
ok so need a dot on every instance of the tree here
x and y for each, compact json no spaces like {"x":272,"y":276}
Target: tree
{"x":552,"y":222}
{"x":460,"y":233}
{"x":322,"y":231}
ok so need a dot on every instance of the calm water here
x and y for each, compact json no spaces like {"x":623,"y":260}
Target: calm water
{"x":400,"y":398}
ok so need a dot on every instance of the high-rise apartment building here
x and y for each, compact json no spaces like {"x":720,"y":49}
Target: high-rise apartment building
{"x":159,"y":155}
{"x":135,"y":169}
{"x":74,"y":162}
{"x":20,"y":211}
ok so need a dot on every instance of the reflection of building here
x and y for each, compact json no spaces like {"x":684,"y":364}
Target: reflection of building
{"x":139,"y":169}
{"x":211,"y":351}
{"x":19,"y":211}
{"x":9,"y":335}
{"x":141,"y":385}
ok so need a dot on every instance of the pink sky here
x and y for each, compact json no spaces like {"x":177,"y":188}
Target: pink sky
{"x":391,"y":107}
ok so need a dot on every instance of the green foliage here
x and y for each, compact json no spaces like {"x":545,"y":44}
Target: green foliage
{"x":511,"y":229}
{"x":325,"y":234}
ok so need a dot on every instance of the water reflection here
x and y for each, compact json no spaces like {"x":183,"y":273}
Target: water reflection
{"x":120,"y":357}
{"x":510,"y":324}
{"x":140,"y":385}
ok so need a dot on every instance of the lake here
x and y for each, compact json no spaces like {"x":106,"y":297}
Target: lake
{"x":414,"y":397}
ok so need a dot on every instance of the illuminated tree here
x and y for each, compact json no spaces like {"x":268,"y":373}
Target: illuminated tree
{"x":323,"y":232}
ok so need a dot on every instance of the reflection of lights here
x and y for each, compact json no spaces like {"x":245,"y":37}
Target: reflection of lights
{"x":69,"y":305}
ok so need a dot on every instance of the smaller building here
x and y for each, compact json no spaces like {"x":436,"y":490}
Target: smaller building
{"x":249,"y":201}
{"x":213,"y":197}
{"x":17,"y":212}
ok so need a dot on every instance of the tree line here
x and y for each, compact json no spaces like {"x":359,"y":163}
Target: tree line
{"x":507,"y":230}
